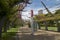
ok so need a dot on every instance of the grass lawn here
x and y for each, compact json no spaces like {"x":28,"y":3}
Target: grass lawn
{"x":10,"y":34}
{"x":50,"y":28}
{"x":13,"y":30}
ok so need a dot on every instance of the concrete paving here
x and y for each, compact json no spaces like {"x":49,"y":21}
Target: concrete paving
{"x":24,"y":33}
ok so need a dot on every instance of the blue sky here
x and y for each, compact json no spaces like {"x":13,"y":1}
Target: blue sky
{"x":36,"y":5}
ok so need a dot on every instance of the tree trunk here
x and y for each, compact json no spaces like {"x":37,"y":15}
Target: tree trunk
{"x":6,"y":26}
{"x":58,"y":26}
{"x":39,"y":25}
{"x":12,"y":23}
{"x":1,"y":25}
{"x":46,"y":25}
{"x":0,"y":32}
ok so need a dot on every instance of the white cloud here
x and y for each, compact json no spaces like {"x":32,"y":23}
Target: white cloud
{"x":26,"y":15}
{"x":54,"y":8}
{"x":36,"y":11}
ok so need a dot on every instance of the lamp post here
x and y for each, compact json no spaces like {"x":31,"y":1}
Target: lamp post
{"x":31,"y":21}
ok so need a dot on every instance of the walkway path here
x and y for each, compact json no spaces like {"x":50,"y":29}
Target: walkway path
{"x":24,"y":33}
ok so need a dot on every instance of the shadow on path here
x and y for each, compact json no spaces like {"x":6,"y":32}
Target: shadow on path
{"x":36,"y":37}
{"x":26,"y":35}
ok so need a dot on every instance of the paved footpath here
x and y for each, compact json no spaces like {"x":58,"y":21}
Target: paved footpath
{"x":24,"y":33}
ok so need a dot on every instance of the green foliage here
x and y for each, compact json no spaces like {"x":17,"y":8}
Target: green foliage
{"x":8,"y":8}
{"x":48,"y":17}
{"x":57,"y":11}
{"x":10,"y":34}
{"x":8,"y":11}
{"x":50,"y":28}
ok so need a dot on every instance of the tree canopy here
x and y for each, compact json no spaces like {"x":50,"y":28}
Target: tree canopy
{"x":8,"y":12}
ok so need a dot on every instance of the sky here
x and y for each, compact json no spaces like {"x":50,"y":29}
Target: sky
{"x":36,"y":5}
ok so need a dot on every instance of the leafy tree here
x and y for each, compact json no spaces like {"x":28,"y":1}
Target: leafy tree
{"x":7,"y":11}
{"x":57,"y":11}
{"x":57,"y":14}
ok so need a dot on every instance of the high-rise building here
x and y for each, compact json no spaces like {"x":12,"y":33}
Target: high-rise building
{"x":40,"y":12}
